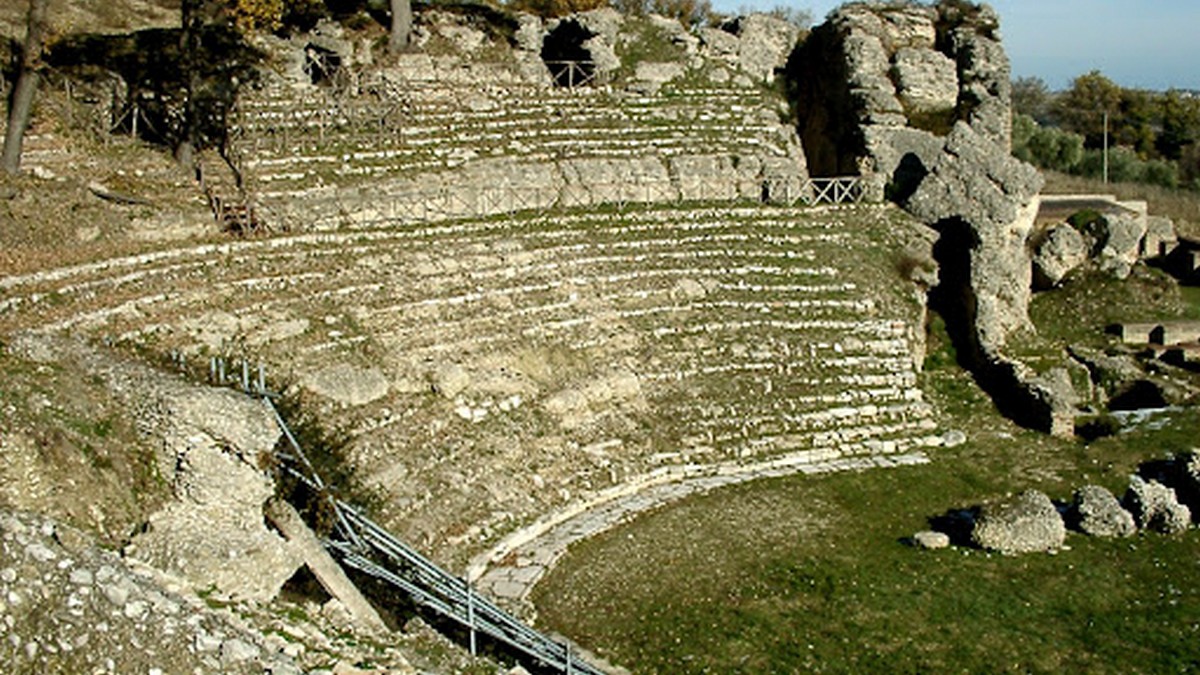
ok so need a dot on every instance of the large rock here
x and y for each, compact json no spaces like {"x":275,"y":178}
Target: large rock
{"x":1161,"y":237}
{"x":1120,"y":243}
{"x":1155,"y":507}
{"x":1026,"y":523}
{"x":1061,"y":250}
{"x":1096,"y":512}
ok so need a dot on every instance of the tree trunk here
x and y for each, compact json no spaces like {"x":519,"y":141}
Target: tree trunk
{"x":27,"y":79}
{"x":191,"y":20}
{"x":402,"y":20}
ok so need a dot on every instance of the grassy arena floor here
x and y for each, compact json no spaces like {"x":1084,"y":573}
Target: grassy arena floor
{"x":812,"y":574}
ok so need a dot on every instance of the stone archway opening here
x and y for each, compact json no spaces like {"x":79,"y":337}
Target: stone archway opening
{"x":321,"y":65}
{"x":566,"y":55}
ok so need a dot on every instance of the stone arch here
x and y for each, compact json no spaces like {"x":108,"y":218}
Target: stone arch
{"x":321,"y":64}
{"x":566,"y":55}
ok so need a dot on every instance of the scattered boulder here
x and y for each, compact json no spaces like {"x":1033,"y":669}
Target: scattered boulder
{"x":1154,"y":507}
{"x":1119,"y":241}
{"x":1026,"y":523}
{"x":1097,"y":513}
{"x":931,"y":540}
{"x":348,"y":384}
{"x":1061,"y":250}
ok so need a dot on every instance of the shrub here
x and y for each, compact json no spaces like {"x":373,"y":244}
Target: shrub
{"x":548,"y":9}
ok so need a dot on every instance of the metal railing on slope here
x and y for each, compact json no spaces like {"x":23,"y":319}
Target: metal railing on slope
{"x":359,"y":543}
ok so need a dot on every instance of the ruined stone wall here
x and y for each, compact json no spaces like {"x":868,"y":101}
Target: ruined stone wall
{"x":453,"y":136}
{"x":917,"y":98}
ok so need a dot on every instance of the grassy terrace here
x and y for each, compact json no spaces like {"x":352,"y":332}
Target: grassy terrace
{"x":812,"y":574}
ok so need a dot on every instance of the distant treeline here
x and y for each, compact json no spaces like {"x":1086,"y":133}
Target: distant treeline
{"x":1152,"y":136}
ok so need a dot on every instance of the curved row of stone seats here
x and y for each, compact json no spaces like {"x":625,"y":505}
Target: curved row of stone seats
{"x":492,"y":369}
{"x":290,"y":139}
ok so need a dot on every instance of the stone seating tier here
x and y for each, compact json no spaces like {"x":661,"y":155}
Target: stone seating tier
{"x":582,"y":347}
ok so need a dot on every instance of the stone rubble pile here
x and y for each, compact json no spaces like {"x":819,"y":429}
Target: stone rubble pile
{"x":1030,"y":522}
{"x":68,"y":607}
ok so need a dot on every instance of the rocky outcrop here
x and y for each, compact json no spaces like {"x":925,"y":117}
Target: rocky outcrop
{"x":1155,"y":507}
{"x":916,"y":99}
{"x":210,"y":444}
{"x":878,"y":82}
{"x":1026,"y":523}
{"x":1096,"y":512}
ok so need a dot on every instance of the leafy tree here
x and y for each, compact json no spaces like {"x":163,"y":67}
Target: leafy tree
{"x":1133,"y":125}
{"x":687,"y":12}
{"x":254,"y":15}
{"x":1180,"y":118}
{"x":1031,"y":96}
{"x":1082,"y":107}
{"x":1046,"y":147}
{"x":1189,"y":166}
{"x":21,"y":104}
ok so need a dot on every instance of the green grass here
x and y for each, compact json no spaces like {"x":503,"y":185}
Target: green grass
{"x":1078,"y":312}
{"x":811,"y":574}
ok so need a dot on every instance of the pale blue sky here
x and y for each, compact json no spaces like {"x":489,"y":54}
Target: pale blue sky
{"x":1153,"y":44}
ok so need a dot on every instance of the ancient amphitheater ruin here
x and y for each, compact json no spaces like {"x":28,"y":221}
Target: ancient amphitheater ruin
{"x":539,"y":310}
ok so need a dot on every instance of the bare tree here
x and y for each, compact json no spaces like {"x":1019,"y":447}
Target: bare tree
{"x":402,"y":21}
{"x":21,"y":106}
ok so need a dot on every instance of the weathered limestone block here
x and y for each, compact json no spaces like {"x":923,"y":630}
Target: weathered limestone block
{"x":908,"y":26}
{"x":1096,"y":512}
{"x":1161,"y":237}
{"x":764,"y":44}
{"x":926,"y":80}
{"x":1026,"y":523}
{"x":700,"y":177}
{"x":1120,"y":243}
{"x":1155,"y":507}
{"x":347,"y":384}
{"x":649,"y":77}
{"x":902,"y":154}
{"x":1060,"y":251}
